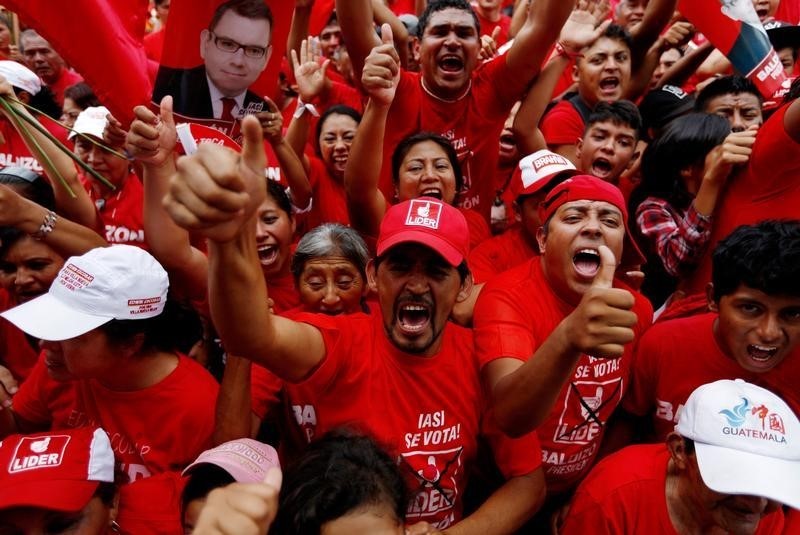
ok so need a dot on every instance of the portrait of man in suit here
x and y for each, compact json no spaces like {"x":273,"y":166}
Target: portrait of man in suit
{"x":235,"y":48}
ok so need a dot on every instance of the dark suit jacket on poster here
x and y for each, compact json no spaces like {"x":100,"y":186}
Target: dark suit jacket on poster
{"x":190,"y":94}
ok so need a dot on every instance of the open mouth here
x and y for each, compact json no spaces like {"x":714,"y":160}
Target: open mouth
{"x":601,"y":168}
{"x":413,"y":318}
{"x":609,"y":84}
{"x":507,"y":142}
{"x":450,"y":63}
{"x":340,"y":161}
{"x":436,"y":193}
{"x":586,"y":262}
{"x":761,"y":353}
{"x":762,"y":13}
{"x":267,"y":254}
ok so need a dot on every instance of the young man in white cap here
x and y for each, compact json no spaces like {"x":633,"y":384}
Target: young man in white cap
{"x":733,"y":458}
{"x":407,"y":373}
{"x":109,"y":342}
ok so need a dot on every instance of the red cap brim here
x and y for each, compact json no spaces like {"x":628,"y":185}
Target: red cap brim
{"x":57,"y":495}
{"x":444,"y":248}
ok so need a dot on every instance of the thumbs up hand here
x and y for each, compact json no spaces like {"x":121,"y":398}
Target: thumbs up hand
{"x":381,"y":73}
{"x":152,"y":138}
{"x":216,"y":190}
{"x":602,"y":322}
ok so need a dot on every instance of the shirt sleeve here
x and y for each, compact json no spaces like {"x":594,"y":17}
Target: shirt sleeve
{"x":562,"y":125}
{"x":502,"y":328}
{"x":514,"y":456}
{"x":679,"y":239}
{"x":29,"y":403}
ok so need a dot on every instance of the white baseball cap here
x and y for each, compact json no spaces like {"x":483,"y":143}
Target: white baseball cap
{"x":20,"y":76}
{"x":747,"y":440}
{"x":535,"y":171}
{"x":91,"y":121}
{"x":118,"y":282}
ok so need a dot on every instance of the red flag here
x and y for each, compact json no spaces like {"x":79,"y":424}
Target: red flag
{"x":102,"y":40}
{"x":736,"y":31}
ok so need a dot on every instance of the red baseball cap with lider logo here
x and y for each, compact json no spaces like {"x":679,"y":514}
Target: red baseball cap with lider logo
{"x":427,"y":221}
{"x":58,"y":470}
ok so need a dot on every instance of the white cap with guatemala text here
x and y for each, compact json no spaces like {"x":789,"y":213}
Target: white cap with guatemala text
{"x":747,"y":440}
{"x":118,"y":282}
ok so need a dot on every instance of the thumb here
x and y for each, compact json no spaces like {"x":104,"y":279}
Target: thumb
{"x":608,"y":265}
{"x":496,"y":33}
{"x":386,"y":34}
{"x":166,"y":111}
{"x":274,"y":478}
{"x":253,"y":144}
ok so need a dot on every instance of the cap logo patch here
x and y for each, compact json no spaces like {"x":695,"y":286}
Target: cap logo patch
{"x":40,"y":452}
{"x":74,"y":278}
{"x":549,"y":159}
{"x":751,"y":421}
{"x":142,"y":306}
{"x":423,"y":214}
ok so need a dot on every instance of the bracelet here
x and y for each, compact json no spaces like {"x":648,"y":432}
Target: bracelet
{"x":561,"y":50}
{"x":47,"y":226}
{"x":302,"y":107}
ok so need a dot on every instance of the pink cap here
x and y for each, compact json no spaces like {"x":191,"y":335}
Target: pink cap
{"x":427,"y":221}
{"x":245,"y":459}
{"x":58,"y":470}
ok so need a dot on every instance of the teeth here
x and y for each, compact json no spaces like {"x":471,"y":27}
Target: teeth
{"x":764,"y":348}
{"x":414,"y":308}
{"x":588,"y":251}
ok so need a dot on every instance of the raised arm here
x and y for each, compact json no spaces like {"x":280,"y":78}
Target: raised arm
{"x":656,"y":17}
{"x":298,"y":31}
{"x":365,"y":202}
{"x":356,"y":20}
{"x":151,"y":139}
{"x":533,"y":41}
{"x":217,"y":192}
{"x":79,"y":208}
{"x":383,"y":15}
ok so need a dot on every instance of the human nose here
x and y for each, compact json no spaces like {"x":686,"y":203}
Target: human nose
{"x":769,"y":328}
{"x":22,"y":277}
{"x":417,"y":282}
{"x":591,"y":226}
{"x":737,"y":122}
{"x":331,"y":296}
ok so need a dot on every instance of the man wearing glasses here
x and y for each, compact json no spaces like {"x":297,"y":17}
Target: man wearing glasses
{"x":235,"y":49}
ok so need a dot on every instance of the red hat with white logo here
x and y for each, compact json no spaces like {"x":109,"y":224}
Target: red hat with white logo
{"x":427,"y":221}
{"x":118,"y":282}
{"x":58,"y":470}
{"x":747,"y":440}
{"x":538,"y":170}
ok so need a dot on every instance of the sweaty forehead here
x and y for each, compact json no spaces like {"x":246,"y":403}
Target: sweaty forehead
{"x":586,"y":205}
{"x":450,"y":17}
{"x":730,"y":100}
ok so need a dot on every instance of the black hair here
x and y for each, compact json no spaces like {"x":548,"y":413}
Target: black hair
{"x":340,"y":473}
{"x":333,"y":19}
{"x":29,"y":185}
{"x":338,"y":109}
{"x":82,"y":95}
{"x":440,"y":5}
{"x":44,"y":102}
{"x":107,"y":492}
{"x":615,"y":32}
{"x":688,"y":445}
{"x":250,"y":9}
{"x":726,"y":85}
{"x":620,"y":113}
{"x":177,"y":328}
{"x":409,"y":142}
{"x":462,"y":268}
{"x":203,"y":478}
{"x":685,"y":142}
{"x":278,"y":193}
{"x":765,"y":257}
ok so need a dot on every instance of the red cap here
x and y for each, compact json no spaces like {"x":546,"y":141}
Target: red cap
{"x":536,"y":171}
{"x":589,"y":188}
{"x":59,"y":470}
{"x":427,"y":221}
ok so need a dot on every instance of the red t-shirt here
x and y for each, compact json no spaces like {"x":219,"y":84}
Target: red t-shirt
{"x":626,"y":494}
{"x":16,"y":352}
{"x":562,"y":125}
{"x":122,"y":211}
{"x":329,"y":204}
{"x":68,"y":77}
{"x":472,"y":123}
{"x":514,"y":315}
{"x":425,"y":410}
{"x":675,"y":357}
{"x":499,"y":254}
{"x":14,"y":152}
{"x":768,"y":188}
{"x":488,"y":26}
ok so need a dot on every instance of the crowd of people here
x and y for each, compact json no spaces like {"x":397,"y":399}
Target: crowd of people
{"x":495,"y":267}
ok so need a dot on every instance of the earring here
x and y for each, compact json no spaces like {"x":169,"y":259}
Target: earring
{"x":115,"y":527}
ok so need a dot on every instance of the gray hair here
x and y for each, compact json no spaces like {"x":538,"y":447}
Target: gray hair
{"x":331,"y":239}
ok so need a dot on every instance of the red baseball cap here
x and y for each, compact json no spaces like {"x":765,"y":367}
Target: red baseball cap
{"x":590,"y":188}
{"x":427,"y":221}
{"x":58,"y":470}
{"x":538,"y":170}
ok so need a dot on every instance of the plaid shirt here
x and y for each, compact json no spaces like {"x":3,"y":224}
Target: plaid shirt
{"x":679,"y":238}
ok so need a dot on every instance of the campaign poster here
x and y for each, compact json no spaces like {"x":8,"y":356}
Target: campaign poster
{"x":734,"y":28}
{"x":221,"y":58}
